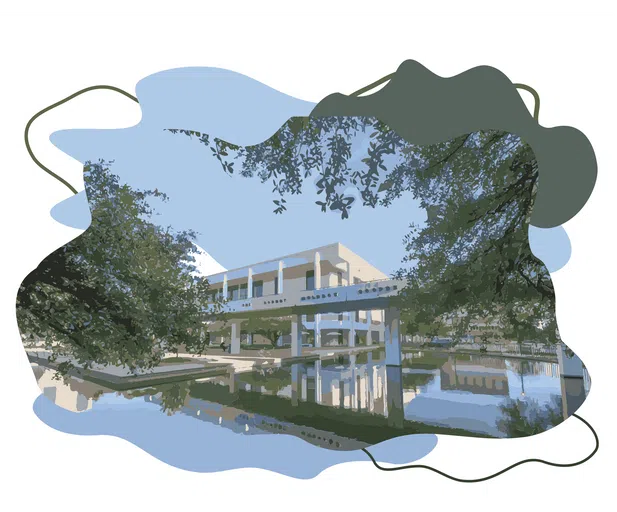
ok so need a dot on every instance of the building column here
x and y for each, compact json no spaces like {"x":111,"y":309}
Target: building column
{"x":352,"y":329}
{"x":392,"y":337}
{"x":280,"y":278}
{"x":249,"y":287}
{"x":225,"y":287}
{"x":349,"y":280}
{"x":231,"y":379}
{"x":317,"y":330}
{"x":572,"y":377}
{"x":317,"y":270}
{"x":369,"y":326}
{"x":296,"y":336}
{"x":318,"y":388}
{"x":394,"y":396}
{"x":235,"y":337}
{"x":353,"y":400}
{"x":295,"y":383}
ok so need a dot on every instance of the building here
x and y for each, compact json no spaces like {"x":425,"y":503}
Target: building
{"x":275,"y":285}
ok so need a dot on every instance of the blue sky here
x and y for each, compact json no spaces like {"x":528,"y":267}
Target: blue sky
{"x":234,"y":215}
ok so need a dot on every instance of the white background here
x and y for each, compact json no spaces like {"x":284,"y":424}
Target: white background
{"x":563,"y":49}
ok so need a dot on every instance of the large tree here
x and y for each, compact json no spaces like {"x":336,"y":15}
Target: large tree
{"x":124,"y":292}
{"x":470,"y":259}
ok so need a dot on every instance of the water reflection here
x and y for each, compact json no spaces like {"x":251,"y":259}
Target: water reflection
{"x":350,"y":401}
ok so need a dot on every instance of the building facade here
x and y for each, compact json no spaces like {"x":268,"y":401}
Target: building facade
{"x":324,"y":268}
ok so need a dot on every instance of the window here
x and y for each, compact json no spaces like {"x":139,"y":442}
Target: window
{"x":310,"y":279}
{"x":310,"y":318}
{"x":357,"y":280}
{"x":243,"y":292}
{"x":233,"y":292}
{"x":276,"y":286}
{"x":258,"y":288}
{"x":339,"y":279}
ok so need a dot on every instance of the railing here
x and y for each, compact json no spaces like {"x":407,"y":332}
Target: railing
{"x":361,"y":292}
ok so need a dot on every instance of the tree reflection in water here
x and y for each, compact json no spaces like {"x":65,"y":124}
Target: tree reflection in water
{"x":522,"y":418}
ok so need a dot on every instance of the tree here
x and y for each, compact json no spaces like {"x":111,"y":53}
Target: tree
{"x":271,"y":328}
{"x":124,"y":292}
{"x":471,"y":258}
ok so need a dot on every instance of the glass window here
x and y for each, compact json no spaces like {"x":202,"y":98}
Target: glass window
{"x":310,"y":279}
{"x":243,"y":291}
{"x":233,"y":292}
{"x":276,"y":285}
{"x":339,"y":279}
{"x":258,"y":288}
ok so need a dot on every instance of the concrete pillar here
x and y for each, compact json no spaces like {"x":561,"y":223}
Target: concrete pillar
{"x":317,"y":270}
{"x":225,"y":287}
{"x":295,"y":383}
{"x":249,"y":291}
{"x":352,"y":329}
{"x":304,"y":387}
{"x":317,"y":330}
{"x":392,"y":337}
{"x":231,"y":379}
{"x":318,"y":386}
{"x":235,"y":337}
{"x":296,"y":336}
{"x":394,"y":396}
{"x":349,"y":280}
{"x":280,"y":277}
{"x":369,"y":328}
{"x":572,"y":377}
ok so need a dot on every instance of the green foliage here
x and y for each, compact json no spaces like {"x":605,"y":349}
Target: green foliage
{"x":471,"y":258}
{"x":270,"y":328}
{"x":124,"y":292}
{"x":521,"y":418}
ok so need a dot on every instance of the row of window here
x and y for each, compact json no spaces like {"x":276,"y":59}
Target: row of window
{"x":240,"y":292}
{"x":310,"y":279}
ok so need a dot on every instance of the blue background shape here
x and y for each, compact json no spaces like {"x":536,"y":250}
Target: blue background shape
{"x":185,"y":442}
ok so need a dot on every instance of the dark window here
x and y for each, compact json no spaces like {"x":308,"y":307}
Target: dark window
{"x":310,"y":318}
{"x":258,"y":288}
{"x":233,"y":292}
{"x":243,"y":291}
{"x":276,"y":285}
{"x":339,"y":279}
{"x":310,"y":279}
{"x":357,"y":280}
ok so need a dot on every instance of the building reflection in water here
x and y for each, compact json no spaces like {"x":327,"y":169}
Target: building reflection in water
{"x":488,"y":377}
{"x":352,"y":387}
{"x":73,"y":394}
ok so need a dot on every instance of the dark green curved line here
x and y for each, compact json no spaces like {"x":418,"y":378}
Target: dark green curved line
{"x":474,"y":480}
{"x":373,"y":85}
{"x":47,"y":109}
{"x":536,"y":96}
{"x":536,"y":113}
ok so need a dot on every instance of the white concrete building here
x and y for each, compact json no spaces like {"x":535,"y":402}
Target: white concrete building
{"x":332,"y":295}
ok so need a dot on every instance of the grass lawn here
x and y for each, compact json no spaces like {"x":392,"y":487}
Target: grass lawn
{"x":176,"y":360}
